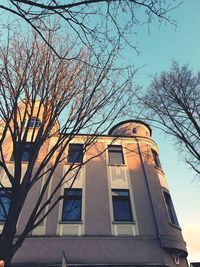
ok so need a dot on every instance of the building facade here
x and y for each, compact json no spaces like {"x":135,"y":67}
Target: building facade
{"x":117,"y":213}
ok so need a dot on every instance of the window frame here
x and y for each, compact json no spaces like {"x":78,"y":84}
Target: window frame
{"x":115,"y":149}
{"x":134,"y":130}
{"x":170,"y":209}
{"x":33,"y":122}
{"x":4,"y":190}
{"x":72,"y":197}
{"x":126,"y":199}
{"x":76,"y":160}
{"x":156,"y":159}
{"x":23,"y":158}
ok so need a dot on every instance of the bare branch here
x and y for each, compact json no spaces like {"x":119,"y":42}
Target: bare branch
{"x":173,"y":104}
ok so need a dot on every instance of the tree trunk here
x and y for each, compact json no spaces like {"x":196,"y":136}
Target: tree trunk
{"x":6,"y":249}
{"x":7,"y":246}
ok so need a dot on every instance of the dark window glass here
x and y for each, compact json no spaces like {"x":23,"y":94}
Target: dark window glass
{"x":121,"y":205}
{"x":115,"y":155}
{"x":134,"y":130}
{"x":75,"y":153}
{"x":72,"y":205}
{"x":26,"y":154}
{"x":34,"y":122}
{"x":4,"y":203}
{"x":170,"y":209}
{"x":156,"y":158}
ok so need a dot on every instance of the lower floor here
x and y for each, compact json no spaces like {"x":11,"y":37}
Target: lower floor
{"x":94,"y":251}
{"x":86,"y":265}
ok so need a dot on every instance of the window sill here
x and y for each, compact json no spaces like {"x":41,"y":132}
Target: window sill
{"x":74,"y":163}
{"x":70,"y":222}
{"x":122,"y":165}
{"x":23,"y":162}
{"x":123,"y":222}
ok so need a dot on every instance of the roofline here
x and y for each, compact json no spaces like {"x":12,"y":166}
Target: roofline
{"x":136,"y":137}
{"x":130,"y":121}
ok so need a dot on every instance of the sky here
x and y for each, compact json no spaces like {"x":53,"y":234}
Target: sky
{"x":159,"y":48}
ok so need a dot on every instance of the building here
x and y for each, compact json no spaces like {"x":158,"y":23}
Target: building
{"x":118,"y":213}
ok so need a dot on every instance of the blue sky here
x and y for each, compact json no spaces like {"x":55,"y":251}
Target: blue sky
{"x":164,"y":44}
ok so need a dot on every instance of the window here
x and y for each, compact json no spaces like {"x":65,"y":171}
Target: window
{"x":115,"y":155}
{"x":75,"y":153}
{"x":72,"y":205}
{"x":34,"y":122}
{"x":4,"y":203}
{"x":156,"y":158}
{"x":170,"y":209}
{"x":134,"y":130}
{"x":26,"y":153}
{"x":121,"y":205}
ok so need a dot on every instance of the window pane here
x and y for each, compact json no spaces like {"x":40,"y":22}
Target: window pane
{"x":34,"y":122}
{"x":75,"y":154}
{"x":26,"y":154}
{"x":72,"y":210}
{"x":73,"y":192}
{"x":122,"y":210}
{"x":134,"y":130}
{"x":75,"y":146}
{"x":4,"y":204}
{"x":115,"y":155}
{"x":156,"y":158}
{"x":72,"y":205}
{"x":115,"y":148}
{"x":31,"y":123}
{"x":170,"y":209}
{"x":121,"y":205}
{"x":120,"y":193}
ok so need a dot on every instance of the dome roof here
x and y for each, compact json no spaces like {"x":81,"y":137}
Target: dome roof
{"x":131,"y":128}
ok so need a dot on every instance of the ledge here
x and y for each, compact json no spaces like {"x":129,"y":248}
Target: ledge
{"x":119,"y":165}
{"x":70,"y":222}
{"x":125,"y":222}
{"x":172,"y":243}
{"x":175,"y":226}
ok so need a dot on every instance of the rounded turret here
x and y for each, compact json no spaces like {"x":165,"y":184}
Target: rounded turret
{"x":131,"y":128}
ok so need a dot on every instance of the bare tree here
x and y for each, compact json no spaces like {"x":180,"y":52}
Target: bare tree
{"x":172,"y":103}
{"x":98,"y":24}
{"x":44,"y":103}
